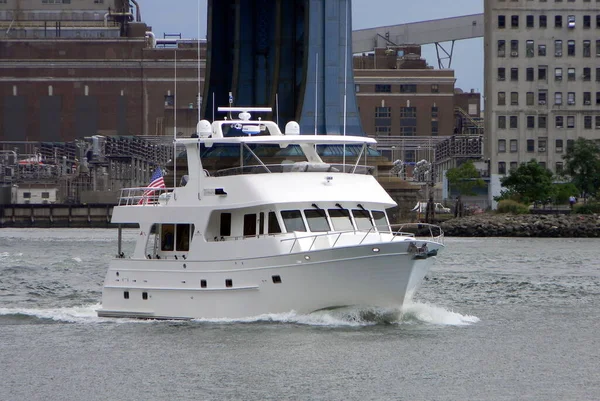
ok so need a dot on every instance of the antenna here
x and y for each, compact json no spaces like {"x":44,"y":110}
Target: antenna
{"x":175,"y":126}
{"x":345,"y":83}
{"x":277,"y":107}
{"x":199,"y":87}
{"x":316,"y":92}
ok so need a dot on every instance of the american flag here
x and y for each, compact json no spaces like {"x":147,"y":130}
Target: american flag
{"x":156,"y":181}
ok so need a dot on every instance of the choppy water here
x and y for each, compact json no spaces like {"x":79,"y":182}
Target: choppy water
{"x":496,"y":319}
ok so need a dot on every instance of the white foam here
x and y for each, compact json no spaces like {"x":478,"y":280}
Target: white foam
{"x":78,"y":314}
{"x":436,"y":315}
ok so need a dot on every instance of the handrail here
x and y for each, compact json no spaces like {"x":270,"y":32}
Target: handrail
{"x":419,"y":227}
{"x":143,"y":196}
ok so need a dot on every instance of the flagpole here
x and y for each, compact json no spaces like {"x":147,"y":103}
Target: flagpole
{"x":175,"y":127}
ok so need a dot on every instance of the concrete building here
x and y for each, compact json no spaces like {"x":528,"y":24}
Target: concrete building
{"x":542,"y":81}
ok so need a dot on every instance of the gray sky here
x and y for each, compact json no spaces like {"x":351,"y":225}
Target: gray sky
{"x":188,"y":17}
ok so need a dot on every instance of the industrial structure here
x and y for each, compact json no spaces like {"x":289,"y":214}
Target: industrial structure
{"x":542,"y":81}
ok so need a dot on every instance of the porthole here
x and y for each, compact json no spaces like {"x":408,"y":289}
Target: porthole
{"x":276,"y":279}
{"x":228,"y":283}
{"x":126,"y":294}
{"x":202,"y":283}
{"x":144,"y":295}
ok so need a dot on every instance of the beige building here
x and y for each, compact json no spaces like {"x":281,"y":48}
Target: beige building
{"x":542,"y":81}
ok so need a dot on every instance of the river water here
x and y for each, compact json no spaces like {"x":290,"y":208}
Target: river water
{"x":496,"y":319}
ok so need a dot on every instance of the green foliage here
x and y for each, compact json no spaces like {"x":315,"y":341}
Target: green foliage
{"x":587,"y":208}
{"x":582,"y":165}
{"x":511,"y":206}
{"x":531,"y":182}
{"x":465,"y":178}
{"x":563,"y":191}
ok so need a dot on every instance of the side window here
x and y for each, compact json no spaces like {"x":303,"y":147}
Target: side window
{"x":317,"y":220}
{"x":362,"y":219}
{"x":340,"y":218}
{"x":261,"y":223}
{"x":250,"y":225}
{"x":184,"y":236}
{"x":167,"y":237}
{"x":293,"y":220}
{"x":273,"y":224}
{"x":381,"y":222}
{"x":225,"y":230}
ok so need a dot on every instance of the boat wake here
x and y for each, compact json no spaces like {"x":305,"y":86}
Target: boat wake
{"x":410,"y":314}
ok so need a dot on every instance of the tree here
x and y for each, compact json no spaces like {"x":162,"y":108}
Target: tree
{"x":530,"y":181}
{"x":465,"y":178}
{"x":582,"y":165}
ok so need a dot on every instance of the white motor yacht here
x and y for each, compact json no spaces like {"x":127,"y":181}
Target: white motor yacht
{"x":280,"y":231}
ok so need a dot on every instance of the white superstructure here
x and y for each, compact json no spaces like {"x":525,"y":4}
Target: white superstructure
{"x":291,"y":233}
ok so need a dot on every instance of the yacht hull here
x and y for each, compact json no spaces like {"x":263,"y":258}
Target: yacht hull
{"x":381,"y":275}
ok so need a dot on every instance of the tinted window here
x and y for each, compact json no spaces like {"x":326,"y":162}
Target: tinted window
{"x":381,"y":221}
{"x":340,"y":218}
{"x":293,"y":220}
{"x":362,"y":219}
{"x":317,"y":220}
{"x":273,"y":224}
{"x":225,"y":224}
{"x":167,"y":237}
{"x":184,"y":236}
{"x":249,"y":224}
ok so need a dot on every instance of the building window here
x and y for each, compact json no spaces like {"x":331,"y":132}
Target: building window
{"x":570,"y":122}
{"x":587,"y":48}
{"x":571,"y":98}
{"x":514,"y":98}
{"x":408,"y":88}
{"x":558,"y":98}
{"x":514,"y":146}
{"x":541,"y":145}
{"x":435,"y":130}
{"x":381,"y":130}
{"x":514,"y":48}
{"x":530,"y":122}
{"x":529,"y":72}
{"x":501,"y":98}
{"x":542,"y":73}
{"x":587,"y":122}
{"x":597,"y":48}
{"x":45,"y":195}
{"x":530,"y":98}
{"x":501,"y":21}
{"x":542,"y":50}
{"x":542,"y":97}
{"x":501,"y":167}
{"x":587,"y":74}
{"x":571,"y":48}
{"x":501,"y":48}
{"x":597,"y":122}
{"x":383,"y":112}
{"x":514,"y":74}
{"x":559,"y":167}
{"x":513,"y":120}
{"x":587,"y":21}
{"x":502,"y":122}
{"x":559,"y":120}
{"x":408,"y":112}
{"x":558,"y":21}
{"x":501,"y":74}
{"x":597,"y":98}
{"x":558,"y":74}
{"x":558,"y":48}
{"x":383,"y":88}
{"x":27,"y":195}
{"x":543,"y":21}
{"x":435,"y":88}
{"x":542,"y":121}
{"x":587,"y":98}
{"x":501,"y":145}
{"x":530,"y":145}
{"x":434,"y":112}
{"x":408,"y":131}
{"x":571,"y":74}
{"x":514,"y":21}
{"x":529,"y":48}
{"x":559,"y":145}
{"x":529,"y":21}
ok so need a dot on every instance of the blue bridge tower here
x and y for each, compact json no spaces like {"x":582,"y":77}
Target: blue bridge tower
{"x":292,"y":55}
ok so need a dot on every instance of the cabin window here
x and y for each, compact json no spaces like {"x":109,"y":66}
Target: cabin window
{"x":261,"y":223}
{"x":250,"y":225}
{"x":381,"y":222}
{"x":126,"y":294}
{"x":276,"y":279}
{"x":184,"y":236}
{"x":317,"y":220}
{"x":273,"y":227}
{"x":228,"y":283}
{"x":167,"y":237}
{"x":144,"y":295}
{"x":340,"y":218}
{"x":225,"y":230}
{"x":202,"y":283}
{"x":293,"y":220}
{"x":362,"y":219}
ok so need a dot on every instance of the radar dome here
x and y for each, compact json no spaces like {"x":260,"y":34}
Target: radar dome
{"x":204,"y":129}
{"x":292,"y":128}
